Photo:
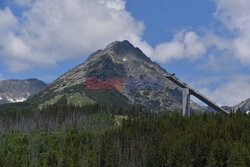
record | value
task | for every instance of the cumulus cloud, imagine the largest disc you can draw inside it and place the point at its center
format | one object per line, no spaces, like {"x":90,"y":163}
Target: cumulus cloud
{"x":184,"y":45}
{"x":23,"y":3}
{"x":7,"y":20}
{"x":232,"y":92}
{"x":54,"y":30}
{"x":115,"y":4}
{"x":235,"y":16}
{"x":206,"y":81}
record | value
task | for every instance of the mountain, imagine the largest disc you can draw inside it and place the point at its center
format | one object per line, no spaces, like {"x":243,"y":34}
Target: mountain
{"x":144,"y":81}
{"x":18,"y":90}
{"x":243,"y":106}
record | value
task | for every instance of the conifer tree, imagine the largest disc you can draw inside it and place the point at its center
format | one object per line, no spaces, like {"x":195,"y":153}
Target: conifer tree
{"x":235,"y":158}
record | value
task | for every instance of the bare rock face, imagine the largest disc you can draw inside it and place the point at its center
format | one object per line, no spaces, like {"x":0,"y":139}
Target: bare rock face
{"x":18,"y":90}
{"x":144,"y":81}
{"x":243,"y":106}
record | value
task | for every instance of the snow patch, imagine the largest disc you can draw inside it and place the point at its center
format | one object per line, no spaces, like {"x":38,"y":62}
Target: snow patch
{"x":16,"y":100}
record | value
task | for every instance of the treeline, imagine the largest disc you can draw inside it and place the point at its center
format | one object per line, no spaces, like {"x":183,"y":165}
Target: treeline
{"x":25,"y":119}
{"x":53,"y":117}
{"x":132,"y":137}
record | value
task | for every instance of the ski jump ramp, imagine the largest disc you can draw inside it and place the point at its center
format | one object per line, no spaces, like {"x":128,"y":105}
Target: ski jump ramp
{"x":187,"y":91}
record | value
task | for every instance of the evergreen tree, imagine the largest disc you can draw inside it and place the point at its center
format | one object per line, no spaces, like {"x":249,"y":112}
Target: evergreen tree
{"x":235,"y":158}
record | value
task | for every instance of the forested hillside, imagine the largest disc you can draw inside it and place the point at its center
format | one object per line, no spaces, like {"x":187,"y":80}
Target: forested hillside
{"x":100,"y":135}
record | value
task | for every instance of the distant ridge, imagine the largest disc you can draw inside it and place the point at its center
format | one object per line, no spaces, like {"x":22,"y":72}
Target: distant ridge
{"x":243,"y":106}
{"x":14,"y":90}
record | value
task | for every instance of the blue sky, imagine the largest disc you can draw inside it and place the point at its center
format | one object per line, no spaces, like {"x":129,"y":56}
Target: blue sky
{"x":206,"y":43}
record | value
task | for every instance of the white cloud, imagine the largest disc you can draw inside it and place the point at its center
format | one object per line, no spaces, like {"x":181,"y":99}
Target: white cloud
{"x":115,"y":4}
{"x":184,"y":45}
{"x":54,"y":30}
{"x":7,"y":21}
{"x":207,"y":80}
{"x":232,"y":92}
{"x":235,"y":16}
{"x":23,"y":3}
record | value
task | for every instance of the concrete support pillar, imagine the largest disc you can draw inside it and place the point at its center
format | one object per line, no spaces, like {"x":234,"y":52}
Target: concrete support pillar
{"x":185,"y":102}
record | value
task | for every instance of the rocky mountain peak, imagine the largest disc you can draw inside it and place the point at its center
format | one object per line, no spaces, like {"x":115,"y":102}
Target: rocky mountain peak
{"x":120,"y":51}
{"x":120,"y":44}
{"x":118,"y":60}
{"x":125,"y":49}
{"x":14,"y":90}
{"x":244,"y":105}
